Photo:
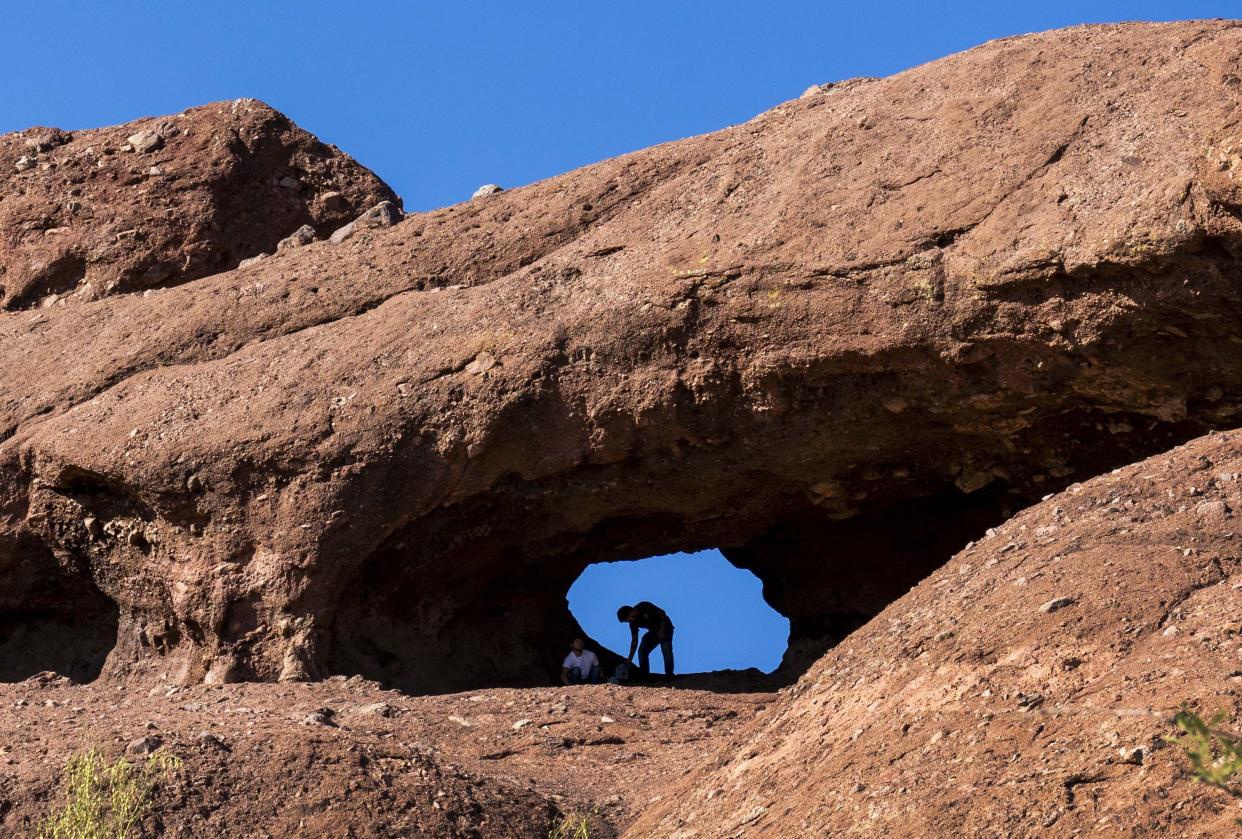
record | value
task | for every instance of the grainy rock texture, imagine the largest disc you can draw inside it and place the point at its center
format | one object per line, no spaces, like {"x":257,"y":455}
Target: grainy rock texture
{"x":164,"y":200}
{"x":499,"y":763}
{"x":896,"y":308}
{"x":972,"y":708}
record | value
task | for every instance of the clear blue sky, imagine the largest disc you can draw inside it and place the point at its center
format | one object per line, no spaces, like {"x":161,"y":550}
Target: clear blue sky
{"x":720,"y":620}
{"x":441,"y":97}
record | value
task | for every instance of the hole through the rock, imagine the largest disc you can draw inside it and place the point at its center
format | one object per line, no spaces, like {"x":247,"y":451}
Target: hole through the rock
{"x":720,"y":619}
{"x":454,"y":605}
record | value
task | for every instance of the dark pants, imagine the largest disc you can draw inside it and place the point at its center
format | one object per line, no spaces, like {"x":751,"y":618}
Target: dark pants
{"x":649,"y":641}
{"x":594,"y":677}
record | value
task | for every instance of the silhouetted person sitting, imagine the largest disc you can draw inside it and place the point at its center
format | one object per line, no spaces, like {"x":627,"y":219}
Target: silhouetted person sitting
{"x":659,"y":628}
{"x":580,"y":666}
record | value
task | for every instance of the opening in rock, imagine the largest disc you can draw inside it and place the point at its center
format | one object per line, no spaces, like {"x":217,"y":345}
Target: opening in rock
{"x":721,"y":620}
{"x":51,"y":618}
{"x":476,"y":597}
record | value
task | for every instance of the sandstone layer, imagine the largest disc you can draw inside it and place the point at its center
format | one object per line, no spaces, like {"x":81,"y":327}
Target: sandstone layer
{"x":1024,"y":689}
{"x":837,"y":341}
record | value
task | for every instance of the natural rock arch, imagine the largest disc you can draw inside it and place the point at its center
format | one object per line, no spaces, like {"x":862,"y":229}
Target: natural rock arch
{"x":1089,"y":619}
{"x":843,"y":323}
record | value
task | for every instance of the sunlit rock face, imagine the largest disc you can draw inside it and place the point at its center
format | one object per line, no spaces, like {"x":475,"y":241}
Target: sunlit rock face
{"x":838,"y":341}
{"x":1066,"y":639}
{"x":163,"y":200}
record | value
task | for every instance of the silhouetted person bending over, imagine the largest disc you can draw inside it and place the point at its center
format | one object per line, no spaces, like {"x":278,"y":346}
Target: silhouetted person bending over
{"x":659,"y":628}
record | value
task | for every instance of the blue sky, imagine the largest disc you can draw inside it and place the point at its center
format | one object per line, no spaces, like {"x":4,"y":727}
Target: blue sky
{"x":720,"y":620}
{"x":439,"y":98}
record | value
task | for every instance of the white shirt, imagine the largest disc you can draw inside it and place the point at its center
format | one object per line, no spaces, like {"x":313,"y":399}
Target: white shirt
{"x":584,"y":662}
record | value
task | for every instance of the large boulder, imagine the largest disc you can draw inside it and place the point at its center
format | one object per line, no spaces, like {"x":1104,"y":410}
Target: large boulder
{"x":837,"y":341}
{"x":1024,"y":689}
{"x":163,"y":200}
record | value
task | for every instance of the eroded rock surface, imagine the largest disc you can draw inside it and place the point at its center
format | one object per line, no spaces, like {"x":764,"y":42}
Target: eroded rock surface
{"x":251,"y":764}
{"x":164,"y":200}
{"x":1024,"y":689}
{"x":346,"y":758}
{"x":859,"y":315}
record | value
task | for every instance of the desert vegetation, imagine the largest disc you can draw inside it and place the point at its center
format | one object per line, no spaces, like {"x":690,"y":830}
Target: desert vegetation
{"x":104,"y":800}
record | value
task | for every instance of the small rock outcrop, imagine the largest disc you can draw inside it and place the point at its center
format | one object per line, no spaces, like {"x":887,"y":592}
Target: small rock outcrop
{"x":162,"y":201}
{"x":838,"y":342}
{"x":383,"y":214}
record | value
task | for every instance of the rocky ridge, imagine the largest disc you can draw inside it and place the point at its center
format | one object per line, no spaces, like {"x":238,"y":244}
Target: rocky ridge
{"x":930,"y":298}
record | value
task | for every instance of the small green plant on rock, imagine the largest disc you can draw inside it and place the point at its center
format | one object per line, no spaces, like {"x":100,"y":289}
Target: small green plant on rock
{"x":571,"y":827}
{"x":106,"y":800}
{"x":1215,"y":756}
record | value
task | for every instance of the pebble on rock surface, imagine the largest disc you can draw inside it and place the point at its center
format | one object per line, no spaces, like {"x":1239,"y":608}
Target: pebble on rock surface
{"x":252,"y":260}
{"x":383,"y":214}
{"x":483,"y":362}
{"x":487,"y":189}
{"x":212,"y":741}
{"x":322,"y":716}
{"x":47,"y":139}
{"x":378,"y":709}
{"x":144,"y":745}
{"x":145,"y":141}
{"x":1056,"y":603}
{"x":304,"y":235}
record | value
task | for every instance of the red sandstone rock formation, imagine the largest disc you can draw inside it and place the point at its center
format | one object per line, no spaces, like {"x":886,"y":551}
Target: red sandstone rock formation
{"x":839,"y":341}
{"x":886,"y":314}
{"x":163,"y":201}
{"x":1024,"y":689}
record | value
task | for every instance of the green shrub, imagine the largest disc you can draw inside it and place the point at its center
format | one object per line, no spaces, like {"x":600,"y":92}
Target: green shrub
{"x":103,"y":800}
{"x":1215,"y":756}
{"x":571,"y":827}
